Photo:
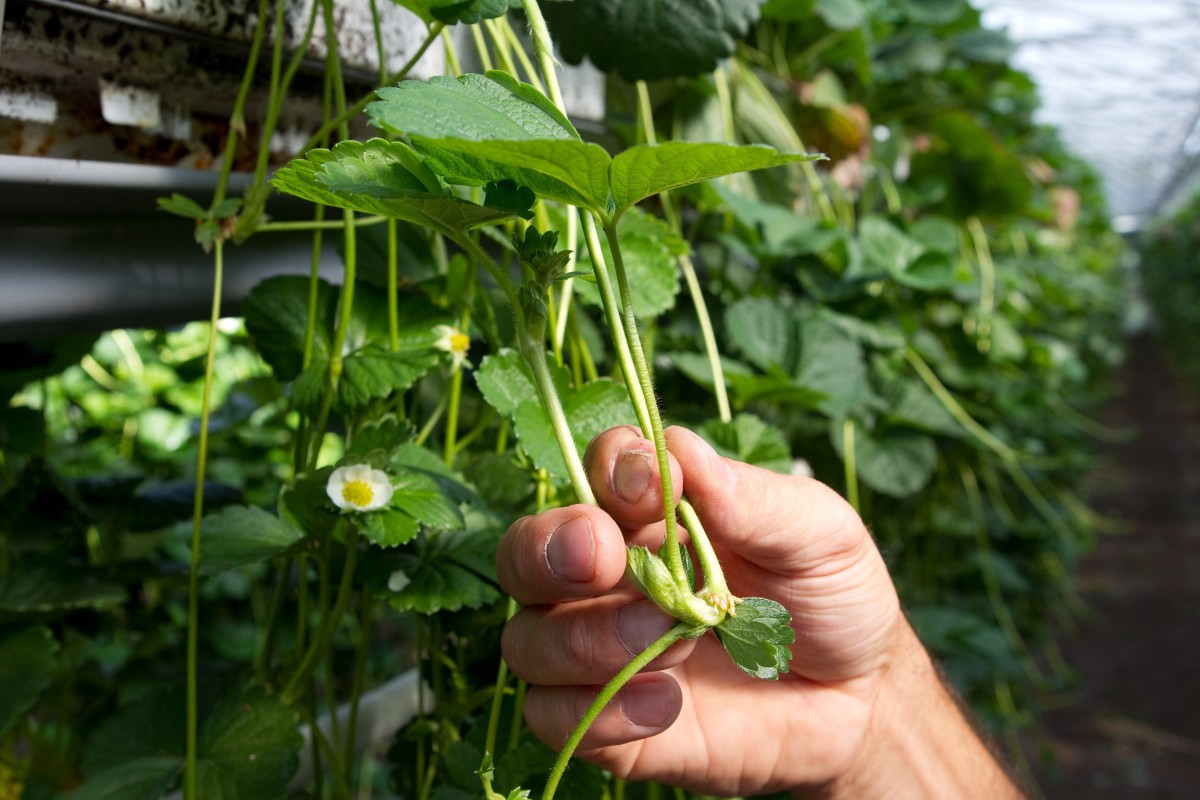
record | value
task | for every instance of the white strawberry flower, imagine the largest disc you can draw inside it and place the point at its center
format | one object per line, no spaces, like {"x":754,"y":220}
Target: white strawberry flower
{"x":453,"y":341}
{"x":359,"y":488}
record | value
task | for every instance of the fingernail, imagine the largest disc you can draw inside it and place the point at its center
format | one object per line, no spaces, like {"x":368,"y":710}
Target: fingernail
{"x":571,"y":551}
{"x":640,"y":624}
{"x":648,"y":703}
{"x":631,"y":475}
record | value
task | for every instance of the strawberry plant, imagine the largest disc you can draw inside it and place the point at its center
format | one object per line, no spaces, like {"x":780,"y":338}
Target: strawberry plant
{"x":298,"y":506}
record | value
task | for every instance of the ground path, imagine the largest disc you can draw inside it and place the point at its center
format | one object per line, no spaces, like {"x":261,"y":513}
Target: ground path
{"x":1132,"y":728}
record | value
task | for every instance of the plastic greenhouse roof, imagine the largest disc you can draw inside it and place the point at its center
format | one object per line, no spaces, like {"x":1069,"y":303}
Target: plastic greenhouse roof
{"x":1121,"y":81}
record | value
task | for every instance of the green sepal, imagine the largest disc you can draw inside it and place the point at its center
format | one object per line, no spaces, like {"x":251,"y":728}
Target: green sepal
{"x":651,"y":575}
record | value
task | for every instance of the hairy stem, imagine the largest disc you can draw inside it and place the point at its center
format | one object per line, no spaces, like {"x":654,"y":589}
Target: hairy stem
{"x":606,"y":695}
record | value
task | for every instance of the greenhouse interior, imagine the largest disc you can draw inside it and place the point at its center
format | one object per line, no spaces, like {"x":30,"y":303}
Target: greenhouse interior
{"x":599,"y":399}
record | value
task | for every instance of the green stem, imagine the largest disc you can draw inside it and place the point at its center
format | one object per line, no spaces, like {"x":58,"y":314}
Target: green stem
{"x":304,"y":225}
{"x":987,"y":269}
{"x":646,"y":115}
{"x":451,"y":439}
{"x":500,"y":43}
{"x":237,"y":122}
{"x":642,"y":369}
{"x":543,"y":52}
{"x":518,"y":48}
{"x":568,"y":286}
{"x":452,"y":63}
{"x":606,"y":695}
{"x":493,"y":727}
{"x":344,"y":116}
{"x":849,"y":460}
{"x":534,"y":353}
{"x":956,"y":410}
{"x":361,"y":655}
{"x":191,"y":778}
{"x":481,"y":49}
{"x":263,"y":659}
{"x":613,"y":318}
{"x":393,"y":287}
{"x":330,"y":624}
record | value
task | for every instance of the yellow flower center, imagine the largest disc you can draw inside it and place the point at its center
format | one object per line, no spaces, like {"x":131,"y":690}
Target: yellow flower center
{"x":460,"y":342}
{"x":357,"y":493}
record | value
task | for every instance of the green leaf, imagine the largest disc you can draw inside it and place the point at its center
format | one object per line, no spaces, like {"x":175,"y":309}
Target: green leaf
{"x":375,"y":372}
{"x":696,"y":366}
{"x":508,"y":196}
{"x":387,"y":527}
{"x":306,"y":506}
{"x":841,"y":15}
{"x":146,"y":778}
{"x":472,"y":107}
{"x":241,"y":535}
{"x":35,"y":590}
{"x":248,"y":747}
{"x":885,"y":246}
{"x":595,"y":408}
{"x":937,"y":233}
{"x":651,"y":39}
{"x":831,"y":362}
{"x":650,"y":248}
{"x":910,"y":403}
{"x":452,"y":12}
{"x":182,"y":206}
{"x":984,"y":46}
{"x":379,"y":171}
{"x":419,"y":496}
{"x":764,"y":331}
{"x":434,"y":585}
{"x":933,"y":12}
{"x":758,"y":639}
{"x":894,"y":462}
{"x":26,"y":669}
{"x":385,"y":434}
{"x":645,"y":170}
{"x":276,"y":312}
{"x":564,"y":170}
{"x":506,"y":382}
{"x":747,"y":438}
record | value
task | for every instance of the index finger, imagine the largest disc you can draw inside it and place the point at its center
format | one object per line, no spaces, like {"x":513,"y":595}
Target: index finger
{"x":570,"y":553}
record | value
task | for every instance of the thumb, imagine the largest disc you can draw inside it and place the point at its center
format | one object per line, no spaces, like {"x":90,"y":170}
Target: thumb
{"x":786,"y":524}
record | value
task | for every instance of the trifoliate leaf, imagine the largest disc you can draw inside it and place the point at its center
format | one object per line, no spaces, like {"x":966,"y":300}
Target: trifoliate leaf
{"x":242,"y":535}
{"x":506,"y":382}
{"x":651,"y":39}
{"x":758,"y":639}
{"x":747,"y":438}
{"x":885,"y":246}
{"x":26,"y":669}
{"x":385,"y":434}
{"x":377,"y":372}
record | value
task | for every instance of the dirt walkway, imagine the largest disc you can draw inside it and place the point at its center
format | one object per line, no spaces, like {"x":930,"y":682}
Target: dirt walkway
{"x":1133,"y":728}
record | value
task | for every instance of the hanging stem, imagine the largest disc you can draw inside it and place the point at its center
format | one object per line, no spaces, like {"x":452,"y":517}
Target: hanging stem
{"x":237,"y":121}
{"x":987,"y":269}
{"x":956,"y":410}
{"x":190,"y":780}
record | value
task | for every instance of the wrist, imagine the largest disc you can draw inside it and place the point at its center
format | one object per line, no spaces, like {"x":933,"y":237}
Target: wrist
{"x":918,"y":742}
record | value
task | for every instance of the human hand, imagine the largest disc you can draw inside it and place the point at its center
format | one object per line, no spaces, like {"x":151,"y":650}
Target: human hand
{"x":694,"y":719}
